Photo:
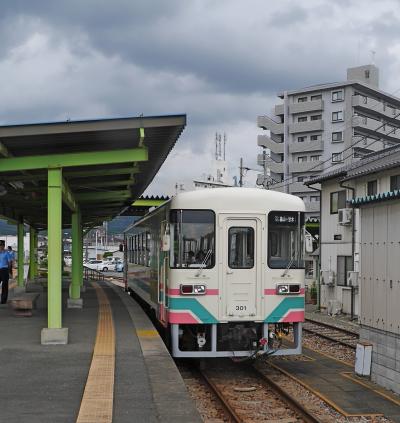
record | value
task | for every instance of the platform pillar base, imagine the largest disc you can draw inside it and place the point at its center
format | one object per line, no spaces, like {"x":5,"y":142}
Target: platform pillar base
{"x":53,"y":336}
{"x":74,"y":303}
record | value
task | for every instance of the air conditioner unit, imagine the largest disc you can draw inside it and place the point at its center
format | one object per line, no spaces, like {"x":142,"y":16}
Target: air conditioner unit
{"x":334,"y":307}
{"x":345,"y":216}
{"x":327,"y":277}
{"x":352,"y":278}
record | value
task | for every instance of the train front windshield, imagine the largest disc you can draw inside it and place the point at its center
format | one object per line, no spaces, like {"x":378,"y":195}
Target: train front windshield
{"x":192,"y":238}
{"x":285,"y":240}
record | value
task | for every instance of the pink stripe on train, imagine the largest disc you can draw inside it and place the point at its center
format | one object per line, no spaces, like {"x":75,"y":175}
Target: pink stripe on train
{"x":176,"y":291}
{"x":181,"y":318}
{"x":294,"y":316}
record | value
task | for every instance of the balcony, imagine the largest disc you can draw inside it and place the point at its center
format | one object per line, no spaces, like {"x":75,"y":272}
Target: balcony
{"x":279,"y":109}
{"x":374,"y":107}
{"x":314,"y":166}
{"x":275,"y":167}
{"x":298,"y":147}
{"x":375,"y":129}
{"x":310,"y":126}
{"x":266,"y":122}
{"x":297,"y":187}
{"x":267,"y":142}
{"x":306,"y":106}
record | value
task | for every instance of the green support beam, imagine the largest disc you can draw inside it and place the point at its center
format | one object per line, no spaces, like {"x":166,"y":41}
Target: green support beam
{"x":148,"y":203}
{"x":32,"y":253}
{"x":100,"y":172}
{"x":54,"y":248}
{"x":103,"y":184}
{"x":73,"y":159}
{"x":103,"y":196}
{"x":68,"y":197}
{"x":20,"y":236}
{"x":75,"y":288}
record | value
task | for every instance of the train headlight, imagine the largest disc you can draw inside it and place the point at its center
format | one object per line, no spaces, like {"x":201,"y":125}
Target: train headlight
{"x":193,"y":289}
{"x":199,"y":289}
{"x":285,"y":289}
{"x":282,"y":289}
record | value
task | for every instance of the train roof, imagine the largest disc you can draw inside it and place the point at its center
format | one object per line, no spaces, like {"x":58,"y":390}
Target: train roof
{"x":235,"y":198}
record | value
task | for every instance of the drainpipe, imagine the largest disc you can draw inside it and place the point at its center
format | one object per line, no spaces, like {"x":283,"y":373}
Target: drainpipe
{"x":352,"y":245}
{"x":320,"y":251}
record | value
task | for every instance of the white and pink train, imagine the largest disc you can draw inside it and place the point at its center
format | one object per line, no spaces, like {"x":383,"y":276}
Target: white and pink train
{"x":223,"y":269}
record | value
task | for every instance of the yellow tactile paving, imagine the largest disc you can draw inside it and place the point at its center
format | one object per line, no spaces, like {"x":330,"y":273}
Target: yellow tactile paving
{"x":97,"y":400}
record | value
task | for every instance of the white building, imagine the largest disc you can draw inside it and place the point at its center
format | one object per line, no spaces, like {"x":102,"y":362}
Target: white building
{"x":360,"y":253}
{"x":324,"y":126}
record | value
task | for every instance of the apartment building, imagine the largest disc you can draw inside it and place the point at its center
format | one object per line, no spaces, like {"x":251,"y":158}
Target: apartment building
{"x":325,"y":126}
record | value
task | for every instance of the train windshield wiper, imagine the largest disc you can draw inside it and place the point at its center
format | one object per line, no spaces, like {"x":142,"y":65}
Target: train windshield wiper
{"x":203,"y":263}
{"x":288,"y":267}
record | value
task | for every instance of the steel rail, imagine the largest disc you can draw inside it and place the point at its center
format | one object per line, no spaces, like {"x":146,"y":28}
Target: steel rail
{"x":332,"y":338}
{"x":234,"y":417}
{"x":288,"y":399}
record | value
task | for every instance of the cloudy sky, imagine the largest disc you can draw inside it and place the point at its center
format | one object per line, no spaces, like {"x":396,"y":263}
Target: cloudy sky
{"x":219,"y":61}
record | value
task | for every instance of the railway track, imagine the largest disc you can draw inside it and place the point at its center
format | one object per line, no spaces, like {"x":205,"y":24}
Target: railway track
{"x":340,"y":336}
{"x":247,"y":395}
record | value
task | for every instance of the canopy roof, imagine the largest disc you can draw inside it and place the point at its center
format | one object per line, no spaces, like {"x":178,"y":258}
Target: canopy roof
{"x":106,"y":165}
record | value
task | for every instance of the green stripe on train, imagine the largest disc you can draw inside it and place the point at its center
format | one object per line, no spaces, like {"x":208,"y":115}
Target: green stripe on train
{"x":285,"y":305}
{"x":191,"y":304}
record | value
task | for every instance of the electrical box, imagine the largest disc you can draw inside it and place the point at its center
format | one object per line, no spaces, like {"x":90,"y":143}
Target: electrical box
{"x":363,"y":359}
{"x":352,"y":278}
{"x":345,"y":216}
{"x":327,"y":277}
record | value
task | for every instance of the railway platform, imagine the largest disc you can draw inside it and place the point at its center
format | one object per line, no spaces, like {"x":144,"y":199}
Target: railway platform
{"x":115,"y":367}
{"x":335,"y":383}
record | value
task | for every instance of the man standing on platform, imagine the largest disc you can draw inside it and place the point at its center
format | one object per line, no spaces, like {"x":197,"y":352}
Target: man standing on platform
{"x":4,"y":271}
{"x":11,"y":254}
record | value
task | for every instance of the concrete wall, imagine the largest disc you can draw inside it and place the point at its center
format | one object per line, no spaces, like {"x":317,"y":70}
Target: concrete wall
{"x":385,"y":369}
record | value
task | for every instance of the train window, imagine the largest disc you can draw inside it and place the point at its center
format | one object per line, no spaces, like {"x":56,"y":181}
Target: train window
{"x":285,"y":240}
{"x":192,"y":238}
{"x":241,"y":248}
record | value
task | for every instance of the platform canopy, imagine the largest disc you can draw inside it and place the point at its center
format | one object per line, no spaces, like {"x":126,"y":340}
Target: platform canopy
{"x":106,"y":165}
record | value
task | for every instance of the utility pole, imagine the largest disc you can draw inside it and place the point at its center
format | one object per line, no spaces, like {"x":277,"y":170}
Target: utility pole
{"x":241,"y":172}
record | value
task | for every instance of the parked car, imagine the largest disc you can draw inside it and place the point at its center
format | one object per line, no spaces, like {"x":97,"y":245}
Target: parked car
{"x":100,"y":265}
{"x":119,"y":267}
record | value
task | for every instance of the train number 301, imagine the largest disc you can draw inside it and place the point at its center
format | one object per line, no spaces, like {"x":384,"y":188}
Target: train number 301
{"x":241,"y":308}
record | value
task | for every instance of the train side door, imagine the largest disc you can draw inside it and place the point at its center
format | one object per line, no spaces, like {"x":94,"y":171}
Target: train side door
{"x":241,"y":266}
{"x":163,"y":267}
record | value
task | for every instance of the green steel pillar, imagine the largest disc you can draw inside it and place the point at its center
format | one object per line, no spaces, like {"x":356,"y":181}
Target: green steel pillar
{"x":54,"y":225}
{"x":32,"y":253}
{"x":80,"y":253}
{"x":75,"y":288}
{"x":20,"y":234}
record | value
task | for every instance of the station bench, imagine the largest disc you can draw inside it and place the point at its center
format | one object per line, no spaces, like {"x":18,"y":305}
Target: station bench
{"x":24,"y":304}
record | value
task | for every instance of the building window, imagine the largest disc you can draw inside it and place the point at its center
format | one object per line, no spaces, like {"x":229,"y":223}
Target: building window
{"x":302,"y":159}
{"x":337,"y":157}
{"x":315,"y":158}
{"x":395,"y":182}
{"x":302,"y":119}
{"x":302,"y":99}
{"x":337,"y":116}
{"x":316,"y":117}
{"x":372,"y":187}
{"x":316,"y":97}
{"x":366,"y":73}
{"x":344,"y":265}
{"x":301,"y":139}
{"x":338,"y":201}
{"x":315,"y":137}
{"x":300,"y":178}
{"x":314,"y":199}
{"x":337,"y":95}
{"x":337,"y":136}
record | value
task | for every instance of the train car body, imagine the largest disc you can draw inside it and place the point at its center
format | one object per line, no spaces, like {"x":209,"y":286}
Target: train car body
{"x":223,"y":269}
